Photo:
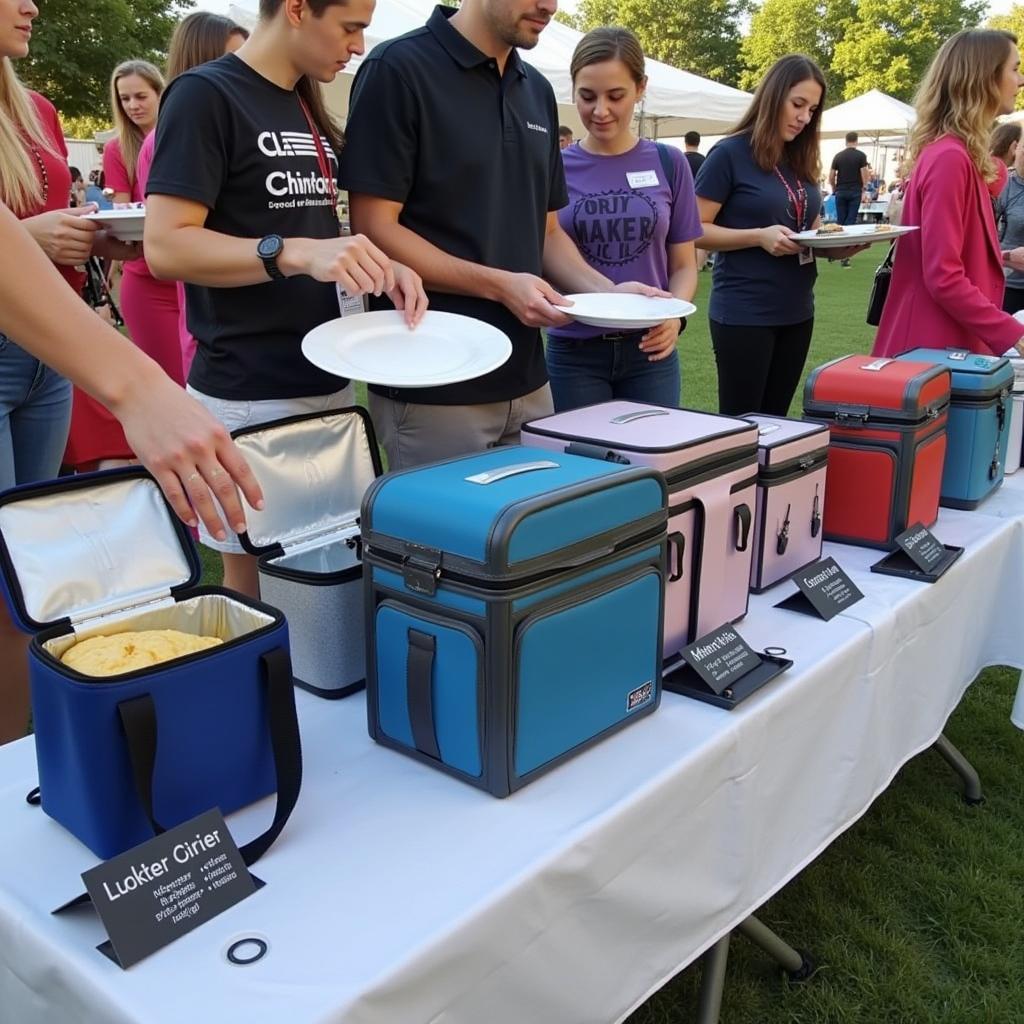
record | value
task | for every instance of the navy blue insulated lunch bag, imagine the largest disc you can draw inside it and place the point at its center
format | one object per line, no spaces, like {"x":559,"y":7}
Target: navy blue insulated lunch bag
{"x":513,"y":609}
{"x":123,"y":756}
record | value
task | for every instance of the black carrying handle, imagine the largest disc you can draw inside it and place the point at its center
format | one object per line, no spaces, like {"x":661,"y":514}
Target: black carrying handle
{"x":742,"y":518}
{"x":138,"y":716}
{"x":419,"y":670}
{"x":676,"y":551}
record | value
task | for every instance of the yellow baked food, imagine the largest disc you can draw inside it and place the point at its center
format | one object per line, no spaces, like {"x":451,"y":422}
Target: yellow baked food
{"x":128,"y":652}
{"x":830,"y":229}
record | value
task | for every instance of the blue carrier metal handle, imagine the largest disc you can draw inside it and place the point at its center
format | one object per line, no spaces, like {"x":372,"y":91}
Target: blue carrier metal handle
{"x":494,"y":475}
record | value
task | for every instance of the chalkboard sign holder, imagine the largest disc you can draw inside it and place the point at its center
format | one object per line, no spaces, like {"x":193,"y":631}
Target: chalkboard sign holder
{"x":899,"y":563}
{"x":680,"y":678}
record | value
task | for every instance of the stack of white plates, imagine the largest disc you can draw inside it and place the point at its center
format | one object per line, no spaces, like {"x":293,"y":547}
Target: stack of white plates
{"x":624,"y":310}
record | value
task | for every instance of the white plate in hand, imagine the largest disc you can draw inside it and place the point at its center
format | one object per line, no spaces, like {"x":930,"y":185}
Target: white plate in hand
{"x":625,"y":310}
{"x":379,"y":348}
{"x":852,"y":234}
{"x":126,"y":225}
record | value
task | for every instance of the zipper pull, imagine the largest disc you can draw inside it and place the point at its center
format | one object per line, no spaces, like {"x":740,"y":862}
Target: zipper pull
{"x":782,"y":541}
{"x":815,"y":515}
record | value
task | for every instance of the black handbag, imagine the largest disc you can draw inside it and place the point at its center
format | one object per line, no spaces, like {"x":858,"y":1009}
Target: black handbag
{"x":880,"y":288}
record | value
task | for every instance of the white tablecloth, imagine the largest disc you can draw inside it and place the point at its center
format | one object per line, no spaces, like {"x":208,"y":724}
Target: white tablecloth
{"x":397,"y":895}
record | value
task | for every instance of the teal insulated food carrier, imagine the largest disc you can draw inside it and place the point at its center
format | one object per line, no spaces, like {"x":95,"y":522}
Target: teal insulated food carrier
{"x":978,"y":432}
{"x":514,"y":605}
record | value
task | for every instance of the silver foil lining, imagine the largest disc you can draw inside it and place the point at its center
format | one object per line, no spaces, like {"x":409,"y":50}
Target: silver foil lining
{"x":88,"y":551}
{"x":203,"y":615}
{"x":313,"y":473}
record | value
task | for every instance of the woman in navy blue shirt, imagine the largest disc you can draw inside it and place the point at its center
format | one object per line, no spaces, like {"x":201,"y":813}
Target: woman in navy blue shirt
{"x":757,"y":188}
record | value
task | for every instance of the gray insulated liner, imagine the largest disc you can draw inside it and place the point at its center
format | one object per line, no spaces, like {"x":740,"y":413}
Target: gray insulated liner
{"x":314,"y":470}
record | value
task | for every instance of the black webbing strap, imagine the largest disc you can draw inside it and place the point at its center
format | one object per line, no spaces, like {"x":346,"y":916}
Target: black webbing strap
{"x":419,"y":668}
{"x":743,"y":521}
{"x":138,"y":716}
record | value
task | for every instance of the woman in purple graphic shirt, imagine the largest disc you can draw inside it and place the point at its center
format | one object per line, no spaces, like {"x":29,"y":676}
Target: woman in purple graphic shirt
{"x":633,"y":216}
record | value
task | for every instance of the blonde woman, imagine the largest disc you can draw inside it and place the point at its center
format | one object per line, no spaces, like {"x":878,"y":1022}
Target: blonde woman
{"x":35,"y":402}
{"x":149,"y":306}
{"x":947,"y":282}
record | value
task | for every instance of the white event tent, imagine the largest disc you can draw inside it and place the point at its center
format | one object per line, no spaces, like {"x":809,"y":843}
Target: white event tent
{"x":676,"y":102}
{"x":873,"y":114}
{"x":876,"y":117}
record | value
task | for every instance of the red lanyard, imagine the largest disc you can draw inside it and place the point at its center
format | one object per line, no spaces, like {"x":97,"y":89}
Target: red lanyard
{"x":321,"y":158}
{"x":799,"y":200}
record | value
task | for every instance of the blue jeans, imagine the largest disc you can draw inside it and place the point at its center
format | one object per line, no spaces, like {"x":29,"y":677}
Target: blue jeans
{"x":35,"y":414}
{"x":592,"y":370}
{"x":847,"y":206}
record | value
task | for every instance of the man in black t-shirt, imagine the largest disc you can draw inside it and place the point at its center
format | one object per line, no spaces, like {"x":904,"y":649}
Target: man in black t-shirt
{"x":452,"y":165}
{"x":694,"y":157}
{"x":847,"y":178}
{"x":241,"y":206}
{"x":691,"y":140}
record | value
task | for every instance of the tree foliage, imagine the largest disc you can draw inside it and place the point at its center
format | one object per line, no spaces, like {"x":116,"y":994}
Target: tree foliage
{"x":859,"y":44}
{"x":76,"y":45}
{"x":779,"y":27}
{"x":889,"y":44}
{"x":702,"y":36}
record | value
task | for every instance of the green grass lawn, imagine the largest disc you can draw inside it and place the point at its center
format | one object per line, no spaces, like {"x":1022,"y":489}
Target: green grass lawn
{"x":916,"y":914}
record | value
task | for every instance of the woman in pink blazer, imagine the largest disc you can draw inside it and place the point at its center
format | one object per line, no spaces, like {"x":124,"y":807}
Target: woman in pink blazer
{"x":947,"y":282}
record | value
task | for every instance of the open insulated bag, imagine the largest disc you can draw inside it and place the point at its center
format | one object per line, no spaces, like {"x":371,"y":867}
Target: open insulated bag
{"x":978,"y":432}
{"x":513,"y":609}
{"x":792,"y":460}
{"x":314,"y":470}
{"x":710,"y":465}
{"x":123,"y":756}
{"x":887,"y":426}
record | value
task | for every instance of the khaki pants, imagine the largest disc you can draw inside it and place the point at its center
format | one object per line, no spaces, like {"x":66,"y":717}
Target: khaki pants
{"x":413,"y":434}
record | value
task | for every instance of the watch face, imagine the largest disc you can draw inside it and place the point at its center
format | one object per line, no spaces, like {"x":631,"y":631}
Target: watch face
{"x":270,"y":246}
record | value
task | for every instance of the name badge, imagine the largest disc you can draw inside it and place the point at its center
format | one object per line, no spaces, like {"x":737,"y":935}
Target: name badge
{"x":806,"y":256}
{"x":349,"y":304}
{"x":642,"y":179}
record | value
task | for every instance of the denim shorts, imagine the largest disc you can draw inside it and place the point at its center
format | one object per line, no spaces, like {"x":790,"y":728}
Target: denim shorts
{"x":237,"y":414}
{"x":35,"y":413}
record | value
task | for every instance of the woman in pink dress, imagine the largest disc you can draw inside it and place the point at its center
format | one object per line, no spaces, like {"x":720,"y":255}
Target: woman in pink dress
{"x":149,"y":306}
{"x":200,"y":37}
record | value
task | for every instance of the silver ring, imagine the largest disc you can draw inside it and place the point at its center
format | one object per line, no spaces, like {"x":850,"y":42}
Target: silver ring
{"x":191,"y":477}
{"x":216,"y":473}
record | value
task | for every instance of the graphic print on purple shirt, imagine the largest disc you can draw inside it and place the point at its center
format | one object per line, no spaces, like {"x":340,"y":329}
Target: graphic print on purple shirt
{"x":614,"y":228}
{"x":623,"y":215}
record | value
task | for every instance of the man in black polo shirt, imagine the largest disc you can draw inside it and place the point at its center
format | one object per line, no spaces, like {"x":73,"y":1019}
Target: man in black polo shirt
{"x":452,"y":160}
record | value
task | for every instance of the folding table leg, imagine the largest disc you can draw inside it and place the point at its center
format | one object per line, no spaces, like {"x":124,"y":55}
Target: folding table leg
{"x":797,"y":964}
{"x":963,"y":768}
{"x":712,"y":982}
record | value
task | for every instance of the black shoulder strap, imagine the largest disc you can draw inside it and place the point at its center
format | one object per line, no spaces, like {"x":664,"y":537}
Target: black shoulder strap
{"x":668,"y":165}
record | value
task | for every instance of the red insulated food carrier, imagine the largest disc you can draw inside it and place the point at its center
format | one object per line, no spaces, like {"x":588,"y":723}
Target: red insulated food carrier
{"x":887,"y":421}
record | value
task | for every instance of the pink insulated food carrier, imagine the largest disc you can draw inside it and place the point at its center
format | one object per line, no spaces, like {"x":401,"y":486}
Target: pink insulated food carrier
{"x":710,"y":465}
{"x":792,"y":459}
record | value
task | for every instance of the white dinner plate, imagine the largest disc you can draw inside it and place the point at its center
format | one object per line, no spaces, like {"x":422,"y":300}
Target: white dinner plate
{"x":853,"y":234}
{"x":624,"y":310}
{"x":379,"y":348}
{"x":126,"y":225}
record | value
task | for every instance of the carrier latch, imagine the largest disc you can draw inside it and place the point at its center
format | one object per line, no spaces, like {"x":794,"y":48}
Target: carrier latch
{"x":421,"y":569}
{"x":852,"y":414}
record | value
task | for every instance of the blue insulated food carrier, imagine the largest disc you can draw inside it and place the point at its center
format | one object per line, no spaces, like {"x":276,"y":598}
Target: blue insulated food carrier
{"x":514,"y":607}
{"x":122,"y":755}
{"x":978,"y":432}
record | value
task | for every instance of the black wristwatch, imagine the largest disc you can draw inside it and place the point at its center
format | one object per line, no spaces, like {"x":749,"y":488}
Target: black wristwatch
{"x":268,"y":249}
